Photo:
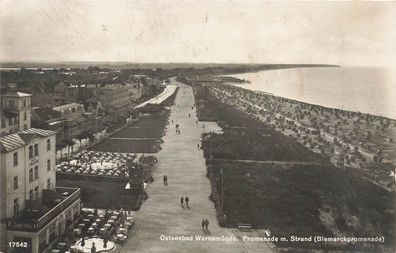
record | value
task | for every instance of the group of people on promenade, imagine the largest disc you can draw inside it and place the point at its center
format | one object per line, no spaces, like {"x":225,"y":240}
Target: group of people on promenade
{"x":184,"y":200}
{"x":205,"y":224}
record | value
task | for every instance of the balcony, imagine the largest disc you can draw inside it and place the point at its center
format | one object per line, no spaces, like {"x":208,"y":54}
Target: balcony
{"x":38,"y":213}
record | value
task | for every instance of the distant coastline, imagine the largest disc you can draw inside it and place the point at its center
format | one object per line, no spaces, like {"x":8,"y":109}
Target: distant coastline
{"x":366,"y":90}
{"x":126,"y":65}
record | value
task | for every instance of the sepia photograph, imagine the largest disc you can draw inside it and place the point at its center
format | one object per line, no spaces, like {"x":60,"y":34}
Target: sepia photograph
{"x":225,"y":126}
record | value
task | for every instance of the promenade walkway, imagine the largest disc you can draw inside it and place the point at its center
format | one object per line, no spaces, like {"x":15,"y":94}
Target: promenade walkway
{"x":162,"y":214}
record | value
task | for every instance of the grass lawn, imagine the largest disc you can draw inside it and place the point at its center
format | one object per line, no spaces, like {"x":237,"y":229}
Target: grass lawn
{"x":102,"y":194}
{"x":304,"y":201}
{"x":148,"y":126}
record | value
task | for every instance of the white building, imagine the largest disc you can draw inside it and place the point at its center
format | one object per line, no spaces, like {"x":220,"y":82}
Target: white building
{"x":70,"y":111}
{"x":32,"y":209}
{"x":15,"y":112}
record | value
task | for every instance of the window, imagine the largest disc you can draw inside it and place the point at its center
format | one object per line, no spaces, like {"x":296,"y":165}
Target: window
{"x":48,"y":145}
{"x":10,"y":121}
{"x":30,"y":152}
{"x":36,"y":173}
{"x":36,"y":152}
{"x":2,"y":122}
{"x":36,"y":192}
{"x":49,"y":183}
{"x":15,"y":159}
{"x":31,"y":194}
{"x":25,"y":116}
{"x":24,"y":104}
{"x":31,"y":175}
{"x":16,"y":207}
{"x":48,"y":165}
{"x":15,"y":183}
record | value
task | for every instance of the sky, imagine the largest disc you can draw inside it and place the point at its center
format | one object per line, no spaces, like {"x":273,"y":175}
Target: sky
{"x":344,"y":33}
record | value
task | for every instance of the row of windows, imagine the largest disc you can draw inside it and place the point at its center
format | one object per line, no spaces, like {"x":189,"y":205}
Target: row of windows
{"x":12,"y":104}
{"x":71,"y":110}
{"x":31,"y":178}
{"x":33,"y":174}
{"x":36,"y":193}
{"x":12,"y":121}
{"x":33,"y":152}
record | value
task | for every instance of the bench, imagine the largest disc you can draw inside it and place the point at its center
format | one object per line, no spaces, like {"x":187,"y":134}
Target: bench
{"x":244,"y":226}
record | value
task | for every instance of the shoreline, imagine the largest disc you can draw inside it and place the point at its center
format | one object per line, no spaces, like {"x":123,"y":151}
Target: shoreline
{"x":317,"y":105}
{"x":190,"y":82}
{"x":275,"y":82}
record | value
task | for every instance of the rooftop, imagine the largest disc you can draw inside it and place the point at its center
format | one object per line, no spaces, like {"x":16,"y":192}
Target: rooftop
{"x":45,"y":114}
{"x":67,"y":106}
{"x":17,"y":94}
{"x":14,"y":141}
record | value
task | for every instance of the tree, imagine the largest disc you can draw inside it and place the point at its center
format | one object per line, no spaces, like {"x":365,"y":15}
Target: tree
{"x":81,"y":136}
{"x":69,"y":142}
{"x":92,"y":69}
{"x":91,"y":137}
{"x":59,"y":146}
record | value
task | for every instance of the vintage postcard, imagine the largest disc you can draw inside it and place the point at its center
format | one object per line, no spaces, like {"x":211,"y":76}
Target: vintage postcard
{"x":197,"y":126}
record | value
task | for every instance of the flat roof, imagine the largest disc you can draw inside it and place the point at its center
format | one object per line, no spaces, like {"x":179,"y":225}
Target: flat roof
{"x":66,"y":106}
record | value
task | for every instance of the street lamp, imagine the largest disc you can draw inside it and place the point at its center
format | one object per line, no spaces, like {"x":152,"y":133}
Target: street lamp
{"x":222,"y":189}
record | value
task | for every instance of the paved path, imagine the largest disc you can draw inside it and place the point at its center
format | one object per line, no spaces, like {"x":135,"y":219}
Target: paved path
{"x":161,"y":213}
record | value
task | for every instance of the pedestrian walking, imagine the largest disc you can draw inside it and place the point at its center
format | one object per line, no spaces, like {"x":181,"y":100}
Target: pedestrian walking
{"x":189,"y":115}
{"x":198,"y":146}
{"x":181,"y":201}
{"x":206,"y":224}
{"x":186,"y":199}
{"x":203,"y":223}
{"x":165,"y":179}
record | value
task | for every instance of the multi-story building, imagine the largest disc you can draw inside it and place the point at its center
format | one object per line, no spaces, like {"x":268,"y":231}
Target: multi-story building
{"x":67,"y":93}
{"x":112,"y":95}
{"x":70,"y":111}
{"x":32,"y":209}
{"x":116,"y":96}
{"x":67,"y":120}
{"x":15,"y":112}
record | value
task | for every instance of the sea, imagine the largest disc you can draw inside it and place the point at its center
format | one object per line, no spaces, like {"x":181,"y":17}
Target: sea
{"x":361,"y":89}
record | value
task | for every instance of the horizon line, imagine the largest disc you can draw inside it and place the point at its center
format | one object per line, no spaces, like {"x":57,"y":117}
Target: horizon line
{"x":132,"y":62}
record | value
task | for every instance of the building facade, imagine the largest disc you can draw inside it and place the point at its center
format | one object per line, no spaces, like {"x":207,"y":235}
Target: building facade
{"x":33,"y":210}
{"x":15,"y":112}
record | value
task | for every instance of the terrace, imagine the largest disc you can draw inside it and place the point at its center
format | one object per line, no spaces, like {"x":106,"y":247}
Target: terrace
{"x":38,"y":213}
